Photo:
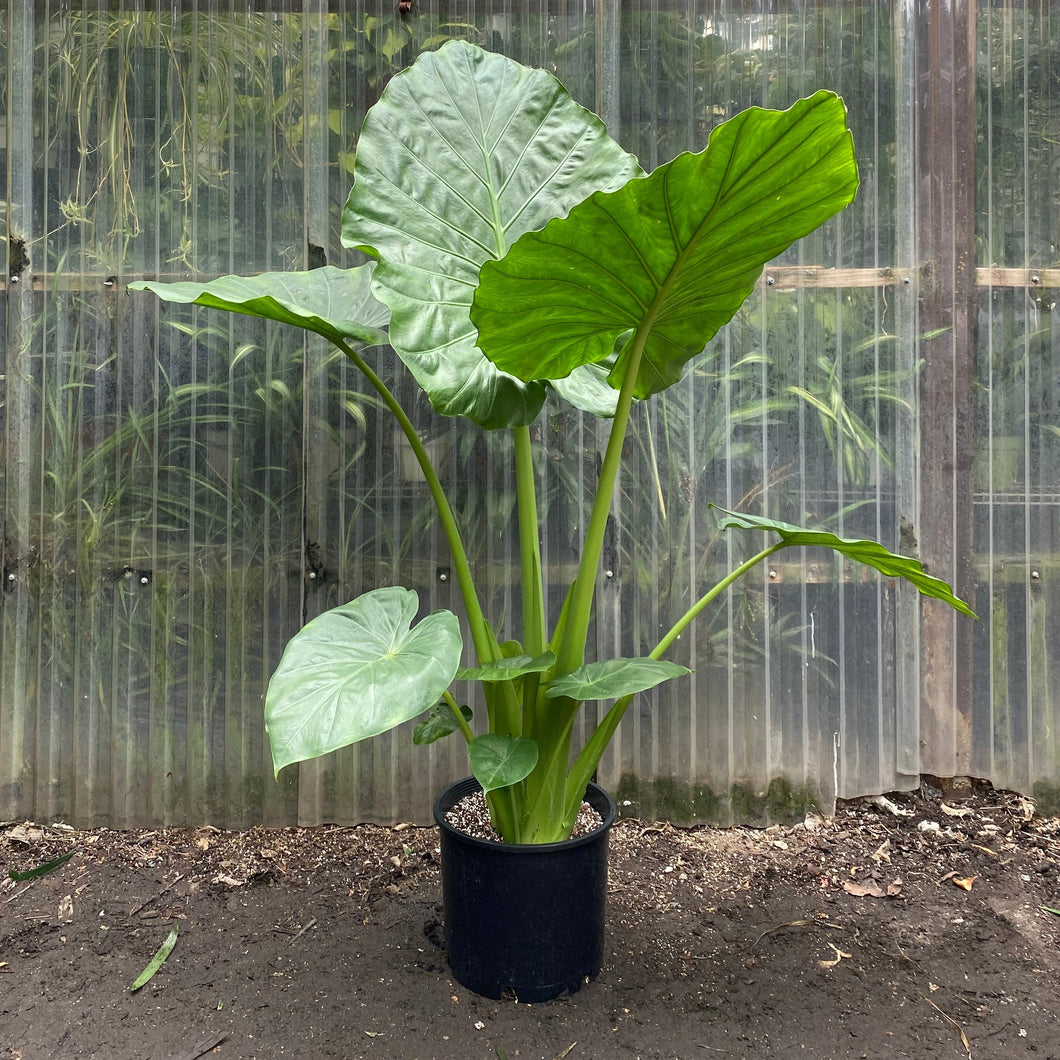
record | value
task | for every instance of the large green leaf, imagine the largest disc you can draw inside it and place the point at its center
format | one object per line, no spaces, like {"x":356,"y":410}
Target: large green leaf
{"x":356,"y":671}
{"x":464,"y":152}
{"x":335,"y":303}
{"x":498,"y":761}
{"x":871,"y":553}
{"x":671,"y":256}
{"x":612,"y":678}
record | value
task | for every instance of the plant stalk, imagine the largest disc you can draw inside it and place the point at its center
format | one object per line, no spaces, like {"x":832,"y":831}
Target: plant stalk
{"x":548,"y":788}
{"x":529,"y":544}
{"x":571,"y":653}
{"x":533,"y":592}
{"x":581,"y":772}
{"x":686,"y":619}
{"x":476,"y":619}
{"x":451,"y":703}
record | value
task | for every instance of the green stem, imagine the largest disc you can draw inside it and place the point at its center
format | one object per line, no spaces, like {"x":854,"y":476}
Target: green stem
{"x":533,"y":592}
{"x":504,"y":813}
{"x":504,"y":708}
{"x":529,"y":544}
{"x":588,"y":759}
{"x":685,"y":620}
{"x":465,"y":729}
{"x":571,"y":653}
{"x":476,"y":619}
{"x":547,"y":785}
{"x":581,"y":772}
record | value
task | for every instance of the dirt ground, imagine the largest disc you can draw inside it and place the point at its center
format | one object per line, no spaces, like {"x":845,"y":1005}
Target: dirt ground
{"x":931,"y":932}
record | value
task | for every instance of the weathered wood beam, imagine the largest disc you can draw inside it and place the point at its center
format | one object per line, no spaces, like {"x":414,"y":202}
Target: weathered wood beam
{"x":778,"y":278}
{"x":945,"y":134}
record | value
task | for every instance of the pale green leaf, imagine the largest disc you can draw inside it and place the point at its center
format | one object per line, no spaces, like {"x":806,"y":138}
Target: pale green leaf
{"x":464,"y":152}
{"x":587,"y":388}
{"x":356,"y":671}
{"x":335,"y":303}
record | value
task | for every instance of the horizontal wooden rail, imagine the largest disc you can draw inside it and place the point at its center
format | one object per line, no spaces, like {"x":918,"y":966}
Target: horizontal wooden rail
{"x":780,"y":277}
{"x":790,"y":277}
{"x":143,"y":575}
{"x":1017,"y":277}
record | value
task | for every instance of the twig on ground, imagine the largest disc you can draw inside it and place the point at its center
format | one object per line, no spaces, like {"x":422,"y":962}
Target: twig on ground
{"x":793,"y":923}
{"x":954,"y":1024}
{"x":14,"y":896}
{"x":144,"y":904}
{"x":302,"y":930}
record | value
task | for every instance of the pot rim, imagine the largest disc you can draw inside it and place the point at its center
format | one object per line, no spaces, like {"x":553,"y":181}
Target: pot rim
{"x":469,"y":785}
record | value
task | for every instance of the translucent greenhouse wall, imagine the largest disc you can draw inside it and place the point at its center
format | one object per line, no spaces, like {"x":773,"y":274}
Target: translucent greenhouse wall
{"x":181,"y":489}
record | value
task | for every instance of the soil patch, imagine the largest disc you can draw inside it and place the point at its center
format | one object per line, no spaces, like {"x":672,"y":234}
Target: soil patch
{"x":913,"y":928}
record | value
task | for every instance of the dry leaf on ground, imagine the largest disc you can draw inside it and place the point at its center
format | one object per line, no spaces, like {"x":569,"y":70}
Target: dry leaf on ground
{"x":839,"y":955}
{"x":868,"y":889}
{"x":871,"y":889}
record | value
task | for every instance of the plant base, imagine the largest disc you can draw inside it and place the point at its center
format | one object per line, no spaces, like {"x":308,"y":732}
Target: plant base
{"x":524,"y":921}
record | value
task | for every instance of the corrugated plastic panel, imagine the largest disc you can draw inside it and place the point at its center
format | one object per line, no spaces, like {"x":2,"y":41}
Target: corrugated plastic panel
{"x":182,"y":489}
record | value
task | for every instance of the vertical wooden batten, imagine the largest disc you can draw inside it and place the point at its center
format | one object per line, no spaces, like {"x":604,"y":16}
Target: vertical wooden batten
{"x":18,"y":741}
{"x":945,"y":147}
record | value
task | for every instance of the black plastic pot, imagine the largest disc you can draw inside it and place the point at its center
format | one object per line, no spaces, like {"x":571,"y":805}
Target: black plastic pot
{"x":524,"y":921}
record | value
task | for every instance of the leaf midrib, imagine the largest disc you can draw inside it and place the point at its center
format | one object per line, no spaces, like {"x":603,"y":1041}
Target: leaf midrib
{"x":720,"y":201}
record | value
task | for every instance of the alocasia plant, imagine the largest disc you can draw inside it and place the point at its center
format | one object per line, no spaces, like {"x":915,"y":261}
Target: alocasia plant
{"x":519,"y":250}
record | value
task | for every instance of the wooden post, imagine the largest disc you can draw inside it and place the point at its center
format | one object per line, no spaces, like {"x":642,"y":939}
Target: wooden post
{"x":314,"y":776}
{"x":18,"y":765}
{"x":945,"y":145}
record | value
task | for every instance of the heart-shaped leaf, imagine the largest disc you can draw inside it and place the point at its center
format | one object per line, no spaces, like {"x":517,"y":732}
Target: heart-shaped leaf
{"x":508,"y":668}
{"x":871,"y":553}
{"x":612,"y":678}
{"x":439,"y":724}
{"x":464,"y":152}
{"x":671,"y":256}
{"x":335,"y":303}
{"x":356,"y":671}
{"x":499,"y":761}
